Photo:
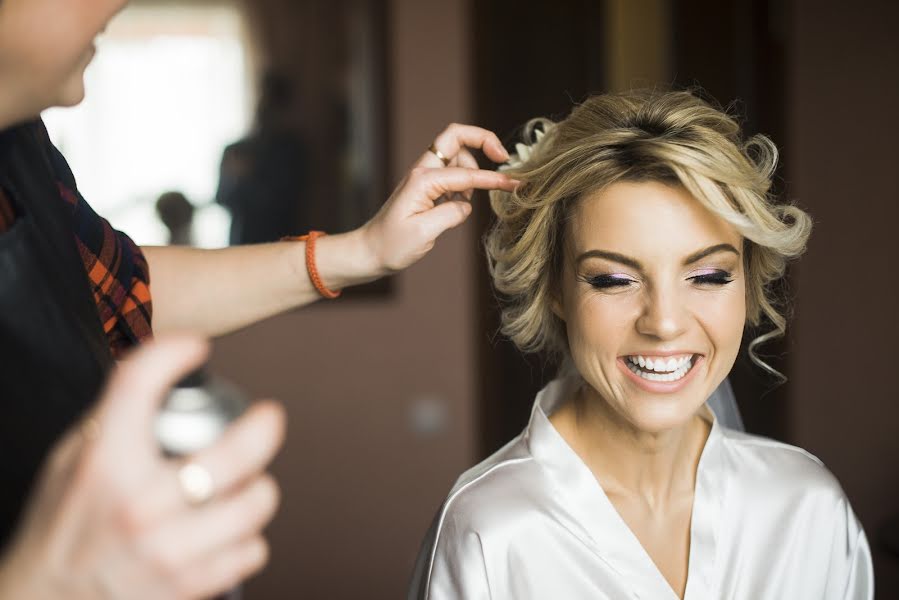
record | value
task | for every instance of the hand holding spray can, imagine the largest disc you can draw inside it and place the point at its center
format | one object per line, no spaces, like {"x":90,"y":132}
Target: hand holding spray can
{"x":196,"y":413}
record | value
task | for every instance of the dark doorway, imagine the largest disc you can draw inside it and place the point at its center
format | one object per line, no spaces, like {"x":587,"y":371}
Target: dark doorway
{"x":530,"y":62}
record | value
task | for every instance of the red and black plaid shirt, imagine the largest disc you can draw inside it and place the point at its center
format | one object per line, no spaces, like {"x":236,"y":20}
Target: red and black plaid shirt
{"x":115,"y":265}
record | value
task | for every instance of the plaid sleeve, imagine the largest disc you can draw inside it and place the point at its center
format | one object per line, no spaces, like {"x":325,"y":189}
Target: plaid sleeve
{"x":115,"y":265}
{"x":118,"y":274}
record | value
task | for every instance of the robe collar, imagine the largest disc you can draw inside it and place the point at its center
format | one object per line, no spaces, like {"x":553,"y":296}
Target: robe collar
{"x":597,"y":522}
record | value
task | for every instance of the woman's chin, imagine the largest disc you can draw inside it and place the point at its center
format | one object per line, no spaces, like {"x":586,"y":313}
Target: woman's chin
{"x":657,"y":415}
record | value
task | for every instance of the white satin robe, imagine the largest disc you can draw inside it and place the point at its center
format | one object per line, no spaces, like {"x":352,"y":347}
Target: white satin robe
{"x":531,"y":522}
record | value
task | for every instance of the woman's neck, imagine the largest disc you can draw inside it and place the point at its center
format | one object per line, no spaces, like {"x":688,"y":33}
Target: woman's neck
{"x":656,"y":468}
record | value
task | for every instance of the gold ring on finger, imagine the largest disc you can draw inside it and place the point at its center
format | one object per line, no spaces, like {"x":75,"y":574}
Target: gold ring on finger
{"x":196,"y":483}
{"x":439,"y":154}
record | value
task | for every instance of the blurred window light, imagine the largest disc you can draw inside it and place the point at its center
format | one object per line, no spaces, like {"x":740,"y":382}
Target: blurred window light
{"x":169,"y":88}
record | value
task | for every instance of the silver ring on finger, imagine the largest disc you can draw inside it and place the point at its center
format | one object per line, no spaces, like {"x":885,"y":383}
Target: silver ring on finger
{"x":433,"y":148}
{"x":196,"y":484}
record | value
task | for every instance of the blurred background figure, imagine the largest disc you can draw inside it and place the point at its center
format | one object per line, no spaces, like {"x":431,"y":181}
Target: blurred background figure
{"x":177,"y":214}
{"x":170,"y":88}
{"x":370,"y":79}
{"x":263,"y":176}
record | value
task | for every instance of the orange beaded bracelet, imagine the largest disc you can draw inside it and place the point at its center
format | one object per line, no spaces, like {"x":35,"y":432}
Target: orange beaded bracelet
{"x":310,"y":263}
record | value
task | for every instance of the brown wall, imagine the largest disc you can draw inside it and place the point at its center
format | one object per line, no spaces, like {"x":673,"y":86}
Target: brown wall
{"x":359,"y":486}
{"x":844,"y":119}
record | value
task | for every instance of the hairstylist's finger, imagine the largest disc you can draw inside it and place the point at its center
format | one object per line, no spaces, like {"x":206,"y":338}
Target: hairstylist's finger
{"x":456,"y":137}
{"x":139,"y":383}
{"x":434,"y":183}
{"x":246,"y":447}
{"x":201,"y":532}
{"x":240,"y":455}
{"x":213,"y":575}
{"x":451,"y":213}
{"x":466,"y":160}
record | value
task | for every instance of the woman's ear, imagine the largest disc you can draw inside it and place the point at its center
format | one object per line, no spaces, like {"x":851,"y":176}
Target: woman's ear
{"x":557,"y":306}
{"x":556,"y":294}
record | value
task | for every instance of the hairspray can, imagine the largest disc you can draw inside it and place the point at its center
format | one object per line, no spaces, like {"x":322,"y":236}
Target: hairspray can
{"x":195,"y":414}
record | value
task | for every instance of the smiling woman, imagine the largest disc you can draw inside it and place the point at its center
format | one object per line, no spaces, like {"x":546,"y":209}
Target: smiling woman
{"x":639,"y":245}
{"x":656,"y":277}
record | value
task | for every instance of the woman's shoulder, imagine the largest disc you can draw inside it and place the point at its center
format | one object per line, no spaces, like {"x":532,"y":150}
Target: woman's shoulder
{"x":496,"y":494}
{"x":492,"y":489}
{"x":765,"y":464}
{"x":784,"y":497}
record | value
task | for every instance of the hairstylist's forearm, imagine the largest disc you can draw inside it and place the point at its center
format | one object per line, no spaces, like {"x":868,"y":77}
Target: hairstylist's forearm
{"x":214,"y":292}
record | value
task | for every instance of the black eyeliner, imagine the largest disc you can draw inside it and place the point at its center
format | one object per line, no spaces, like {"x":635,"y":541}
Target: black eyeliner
{"x":717,"y":278}
{"x":606,"y":281}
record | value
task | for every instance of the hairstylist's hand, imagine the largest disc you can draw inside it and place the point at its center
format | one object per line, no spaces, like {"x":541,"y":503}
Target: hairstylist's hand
{"x":108,"y":518}
{"x":409,"y":223}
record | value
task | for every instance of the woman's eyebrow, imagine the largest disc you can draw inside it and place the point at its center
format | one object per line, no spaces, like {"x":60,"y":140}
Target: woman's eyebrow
{"x":710,"y":250}
{"x":635,"y":264}
{"x":612,"y":256}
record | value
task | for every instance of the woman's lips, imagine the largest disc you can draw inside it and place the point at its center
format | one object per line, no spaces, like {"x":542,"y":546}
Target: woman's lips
{"x":661,"y":387}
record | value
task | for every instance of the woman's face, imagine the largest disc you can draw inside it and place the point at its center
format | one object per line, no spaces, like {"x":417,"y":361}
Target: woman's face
{"x":45,"y":46}
{"x":654,"y":300}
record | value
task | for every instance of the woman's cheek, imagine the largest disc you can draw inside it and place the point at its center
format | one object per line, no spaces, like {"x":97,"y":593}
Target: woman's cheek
{"x":723,"y":316}
{"x":600,"y":324}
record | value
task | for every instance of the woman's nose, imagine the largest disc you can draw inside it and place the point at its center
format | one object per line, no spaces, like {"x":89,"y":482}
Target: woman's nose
{"x":663,"y":316}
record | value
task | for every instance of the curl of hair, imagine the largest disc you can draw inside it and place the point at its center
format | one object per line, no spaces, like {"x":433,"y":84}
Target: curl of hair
{"x":670,"y":137}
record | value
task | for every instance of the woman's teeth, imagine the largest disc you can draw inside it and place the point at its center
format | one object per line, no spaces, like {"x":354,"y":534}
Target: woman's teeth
{"x":660,"y":369}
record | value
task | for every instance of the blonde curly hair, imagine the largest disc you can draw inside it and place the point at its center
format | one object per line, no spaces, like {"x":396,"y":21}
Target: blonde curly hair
{"x":673,"y":137}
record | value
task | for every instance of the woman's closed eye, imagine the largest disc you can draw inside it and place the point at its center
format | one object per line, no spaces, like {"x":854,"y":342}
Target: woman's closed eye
{"x":602,"y":282}
{"x":712,"y":277}
{"x":706,"y":277}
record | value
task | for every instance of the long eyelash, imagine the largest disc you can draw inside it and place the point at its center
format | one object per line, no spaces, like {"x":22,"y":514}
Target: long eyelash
{"x":719,"y":278}
{"x":607,"y":281}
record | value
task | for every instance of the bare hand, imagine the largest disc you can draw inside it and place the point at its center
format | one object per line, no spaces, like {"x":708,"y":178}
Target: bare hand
{"x":108,"y":518}
{"x":412,"y":219}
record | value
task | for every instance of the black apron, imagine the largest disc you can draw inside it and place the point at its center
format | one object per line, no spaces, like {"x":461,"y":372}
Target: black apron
{"x":53,"y":352}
